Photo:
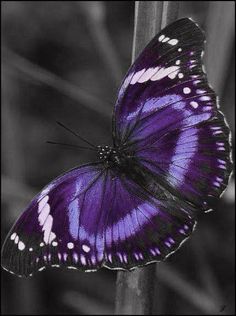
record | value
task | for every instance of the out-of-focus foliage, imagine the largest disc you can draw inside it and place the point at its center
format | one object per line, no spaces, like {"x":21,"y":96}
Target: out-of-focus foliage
{"x":63,"y":61}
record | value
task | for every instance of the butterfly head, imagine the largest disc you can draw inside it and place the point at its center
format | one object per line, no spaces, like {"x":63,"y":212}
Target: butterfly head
{"x":107,"y":153}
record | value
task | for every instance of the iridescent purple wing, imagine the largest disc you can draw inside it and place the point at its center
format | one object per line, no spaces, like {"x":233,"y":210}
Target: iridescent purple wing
{"x":92,"y":217}
{"x":166,"y":115}
{"x":62,"y":226}
{"x":170,"y":59}
{"x":194,"y":160}
{"x":142,"y":229}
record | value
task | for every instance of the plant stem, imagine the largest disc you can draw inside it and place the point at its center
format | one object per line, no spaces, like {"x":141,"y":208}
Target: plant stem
{"x":219,"y":47}
{"x":170,"y":12}
{"x":135,"y":291}
{"x":148,"y":17}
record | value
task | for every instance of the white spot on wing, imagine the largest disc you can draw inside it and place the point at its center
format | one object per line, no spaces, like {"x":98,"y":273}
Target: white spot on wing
{"x":200,"y":91}
{"x":13,"y":236}
{"x":42,"y":203}
{"x":164,"y":72}
{"x":148,"y":74}
{"x":70,"y":245}
{"x":109,"y":257}
{"x":42,"y":268}
{"x":157,"y":251}
{"x":46,"y":220}
{"x":141,"y":256}
{"x":152,"y":252}
{"x":120,"y":256}
{"x":194,"y":104}
{"x":44,"y":214}
{"x":166,"y":39}
{"x":167,"y":244}
{"x":173,"y":74}
{"x":83,"y":260}
{"x":21,"y":245}
{"x":16,"y":240}
{"x":173,"y":41}
{"x":85,"y":248}
{"x":217,"y":132}
{"x":47,"y":227}
{"x":205,"y":98}
{"x":186,"y":90}
{"x":136,"y":76}
{"x":75,"y":257}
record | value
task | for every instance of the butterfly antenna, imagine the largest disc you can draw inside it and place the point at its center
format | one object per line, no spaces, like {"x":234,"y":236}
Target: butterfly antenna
{"x":74,"y":133}
{"x":70,"y":145}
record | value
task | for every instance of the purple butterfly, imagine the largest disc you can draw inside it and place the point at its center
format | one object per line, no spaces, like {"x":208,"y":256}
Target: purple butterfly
{"x":140,"y":202}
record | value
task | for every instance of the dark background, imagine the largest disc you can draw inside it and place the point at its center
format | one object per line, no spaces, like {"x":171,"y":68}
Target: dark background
{"x":64,"y":61}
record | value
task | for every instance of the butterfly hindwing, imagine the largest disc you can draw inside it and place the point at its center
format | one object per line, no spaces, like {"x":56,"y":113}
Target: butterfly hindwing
{"x":143,"y":229}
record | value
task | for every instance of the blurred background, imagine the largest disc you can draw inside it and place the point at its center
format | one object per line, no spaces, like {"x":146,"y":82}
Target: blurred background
{"x":64,"y":61}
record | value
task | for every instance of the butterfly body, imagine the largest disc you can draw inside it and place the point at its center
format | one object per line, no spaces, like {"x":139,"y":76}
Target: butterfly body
{"x":114,"y":156}
{"x":169,"y":164}
{"x":122,"y":163}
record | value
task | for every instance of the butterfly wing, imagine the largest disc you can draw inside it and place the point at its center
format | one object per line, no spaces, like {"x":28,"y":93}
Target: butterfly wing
{"x":166,"y":115}
{"x":62,"y":226}
{"x":92,"y":217}
{"x":142,"y":229}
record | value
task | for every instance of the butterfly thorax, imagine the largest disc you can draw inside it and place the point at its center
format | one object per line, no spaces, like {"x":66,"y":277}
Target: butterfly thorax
{"x":112,"y":156}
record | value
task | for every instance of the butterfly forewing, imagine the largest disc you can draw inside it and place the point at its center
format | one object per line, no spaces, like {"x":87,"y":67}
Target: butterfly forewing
{"x":168,"y":60}
{"x":167,"y":116}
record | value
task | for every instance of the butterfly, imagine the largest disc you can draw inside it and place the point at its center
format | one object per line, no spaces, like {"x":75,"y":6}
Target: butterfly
{"x":170,"y":162}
